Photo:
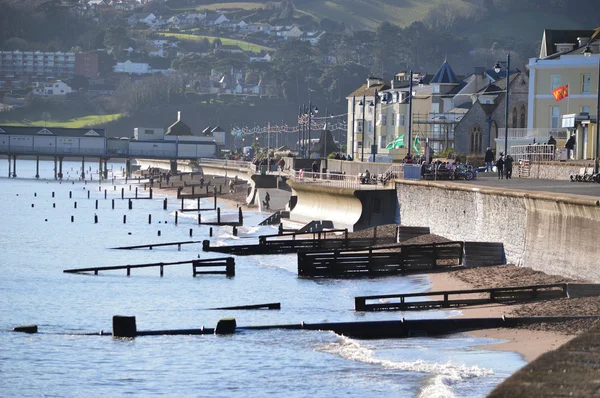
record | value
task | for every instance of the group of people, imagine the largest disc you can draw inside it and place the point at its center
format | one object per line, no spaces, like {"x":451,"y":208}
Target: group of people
{"x":504,"y":164}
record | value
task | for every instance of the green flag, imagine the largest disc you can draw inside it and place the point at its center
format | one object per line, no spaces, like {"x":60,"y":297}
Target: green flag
{"x":397,"y":143}
{"x":416,"y":145}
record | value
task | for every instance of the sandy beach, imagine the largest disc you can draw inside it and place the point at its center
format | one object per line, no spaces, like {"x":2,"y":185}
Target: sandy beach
{"x":533,"y":340}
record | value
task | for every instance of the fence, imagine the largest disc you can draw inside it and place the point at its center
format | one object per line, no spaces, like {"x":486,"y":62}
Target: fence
{"x":534,"y":153}
{"x":228,"y":163}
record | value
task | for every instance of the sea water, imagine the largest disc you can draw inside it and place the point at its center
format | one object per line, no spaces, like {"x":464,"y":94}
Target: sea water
{"x":38,"y":241}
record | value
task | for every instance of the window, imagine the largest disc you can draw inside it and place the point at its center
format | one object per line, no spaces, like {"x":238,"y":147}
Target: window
{"x":555,"y":117}
{"x":514,"y":118}
{"x":393,"y":121}
{"x":382,"y":141}
{"x":586,"y":83}
{"x":555,"y":81}
{"x":585,"y":109}
{"x":358,"y":126}
{"x":401,"y":119}
{"x":382,"y":120}
{"x":435,"y":89}
{"x":523,"y":117}
{"x":369,"y":126}
{"x":475,"y":144}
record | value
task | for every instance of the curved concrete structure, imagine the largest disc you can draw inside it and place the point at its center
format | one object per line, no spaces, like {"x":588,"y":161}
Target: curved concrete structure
{"x":325,"y":203}
{"x":346,"y":208}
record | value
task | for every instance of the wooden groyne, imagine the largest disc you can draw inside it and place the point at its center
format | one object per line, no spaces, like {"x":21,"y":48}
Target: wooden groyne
{"x":152,"y":245}
{"x":381,"y":261}
{"x":301,"y":241}
{"x":395,"y":259}
{"x":198,"y":267}
{"x":468,"y":297}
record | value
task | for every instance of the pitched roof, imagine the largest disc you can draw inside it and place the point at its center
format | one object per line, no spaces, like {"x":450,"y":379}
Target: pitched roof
{"x":445,"y":75}
{"x":56,"y":131}
{"x":179,"y":128}
{"x":551,"y":37}
{"x":364,"y":90}
{"x":217,"y":129}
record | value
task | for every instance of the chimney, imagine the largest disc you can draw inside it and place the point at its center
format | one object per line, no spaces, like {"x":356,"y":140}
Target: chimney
{"x":373,"y":81}
{"x":178,"y":116}
{"x":582,"y":41}
{"x":479,"y":70}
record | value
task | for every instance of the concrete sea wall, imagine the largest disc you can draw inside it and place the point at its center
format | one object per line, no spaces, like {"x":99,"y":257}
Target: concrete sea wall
{"x":547,"y":232}
{"x":555,"y":170}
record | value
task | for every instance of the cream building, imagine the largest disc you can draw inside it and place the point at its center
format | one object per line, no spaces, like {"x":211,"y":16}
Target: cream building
{"x":565,"y":65}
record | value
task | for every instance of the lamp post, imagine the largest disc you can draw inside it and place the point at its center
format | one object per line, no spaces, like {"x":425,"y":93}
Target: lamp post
{"x":311,"y":110}
{"x":497,"y":70}
{"x":374,"y":144}
{"x":410,"y":95}
{"x":588,"y":53}
{"x":362,"y":133}
{"x":353,"y":109}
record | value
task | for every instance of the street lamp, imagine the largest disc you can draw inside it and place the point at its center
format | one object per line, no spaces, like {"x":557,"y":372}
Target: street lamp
{"x":310,"y":111}
{"x":410,"y":95}
{"x":497,"y":70}
{"x":588,"y":53}
{"x":363,"y":103}
{"x":374,"y":144}
{"x":353,"y":127}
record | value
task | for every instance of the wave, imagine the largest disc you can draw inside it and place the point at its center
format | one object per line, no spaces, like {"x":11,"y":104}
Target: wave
{"x":444,"y":374}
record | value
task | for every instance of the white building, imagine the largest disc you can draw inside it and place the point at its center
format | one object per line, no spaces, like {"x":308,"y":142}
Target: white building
{"x":48,"y":89}
{"x":133,"y":68}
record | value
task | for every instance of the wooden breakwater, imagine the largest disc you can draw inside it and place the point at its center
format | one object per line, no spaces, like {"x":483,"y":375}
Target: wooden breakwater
{"x":205,"y":266}
{"x":388,"y":260}
{"x":312,"y":241}
{"x":467,"y":297}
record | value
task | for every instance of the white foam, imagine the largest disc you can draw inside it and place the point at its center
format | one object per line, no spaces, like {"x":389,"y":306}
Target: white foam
{"x":445,"y":374}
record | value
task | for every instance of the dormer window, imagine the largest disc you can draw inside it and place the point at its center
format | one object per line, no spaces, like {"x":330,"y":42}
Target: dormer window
{"x":564,"y":47}
{"x":436,"y":88}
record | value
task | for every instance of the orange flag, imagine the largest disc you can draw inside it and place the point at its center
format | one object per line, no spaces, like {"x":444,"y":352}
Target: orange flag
{"x":561,"y":92}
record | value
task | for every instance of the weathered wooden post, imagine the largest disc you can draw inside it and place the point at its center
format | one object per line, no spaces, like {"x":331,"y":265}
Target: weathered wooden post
{"x":235,"y":231}
{"x":130,"y":204}
{"x":74,"y":205}
{"x":122,"y":193}
{"x":218,"y":215}
{"x":113,"y":204}
{"x":136,"y":190}
{"x":72,"y":218}
{"x":95,"y":219}
{"x":150,"y":192}
{"x":70,"y":195}
{"x":240,"y":216}
{"x":165,"y":204}
{"x":280,"y":229}
{"x":96,"y":204}
{"x":26,"y":329}
{"x":52,"y":194}
{"x":159,"y":233}
{"x":124,"y":326}
{"x":88,"y":194}
{"x":230,"y":266}
{"x":191,"y":231}
{"x":226,"y":326}
{"x":124,"y":219}
{"x":210,"y":232}
{"x":176,"y":217}
{"x":105,"y":193}
{"x":199,"y":218}
{"x":149,"y":218}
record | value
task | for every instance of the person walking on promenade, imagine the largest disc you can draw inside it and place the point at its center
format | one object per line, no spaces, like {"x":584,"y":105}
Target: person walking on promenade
{"x":267,"y":200}
{"x":508,"y":166}
{"x":552,"y":142}
{"x":570,"y":145}
{"x":489,"y":160}
{"x":500,"y":166}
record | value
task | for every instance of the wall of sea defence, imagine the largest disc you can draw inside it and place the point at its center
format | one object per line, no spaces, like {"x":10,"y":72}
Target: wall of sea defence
{"x":548,"y":232}
{"x":555,"y":170}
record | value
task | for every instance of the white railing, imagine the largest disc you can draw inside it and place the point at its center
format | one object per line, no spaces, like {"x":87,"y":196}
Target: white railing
{"x":338,"y":180}
{"x":231,"y":163}
{"x":533,"y":153}
{"x":538,"y":133}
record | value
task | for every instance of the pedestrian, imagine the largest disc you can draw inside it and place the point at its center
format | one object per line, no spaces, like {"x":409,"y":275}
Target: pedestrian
{"x":267,"y":200}
{"x":552,"y":142}
{"x":570,"y":145}
{"x":231,"y":186}
{"x":489,"y":160}
{"x":366,"y":177}
{"x":315,"y":167}
{"x":508,"y":166}
{"x":500,"y":166}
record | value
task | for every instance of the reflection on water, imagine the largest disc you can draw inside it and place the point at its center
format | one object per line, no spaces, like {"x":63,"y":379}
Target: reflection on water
{"x":39,"y":242}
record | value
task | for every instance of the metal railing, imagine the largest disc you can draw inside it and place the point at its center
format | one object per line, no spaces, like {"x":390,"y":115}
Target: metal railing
{"x":231,"y":163}
{"x":530,"y":133}
{"x":534,"y":153}
{"x":338,"y":180}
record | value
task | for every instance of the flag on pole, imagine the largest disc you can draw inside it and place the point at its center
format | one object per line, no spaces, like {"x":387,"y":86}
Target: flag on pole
{"x":561,"y":92}
{"x":397,"y":143}
{"x":416,"y":145}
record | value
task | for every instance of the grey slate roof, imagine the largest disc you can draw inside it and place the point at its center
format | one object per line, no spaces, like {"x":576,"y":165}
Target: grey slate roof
{"x":52,"y":131}
{"x":552,"y":37}
{"x":179,"y":128}
{"x":445,"y":75}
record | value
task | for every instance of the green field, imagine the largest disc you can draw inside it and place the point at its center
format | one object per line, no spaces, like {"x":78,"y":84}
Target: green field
{"x":244,"y":45}
{"x":78,"y":122}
